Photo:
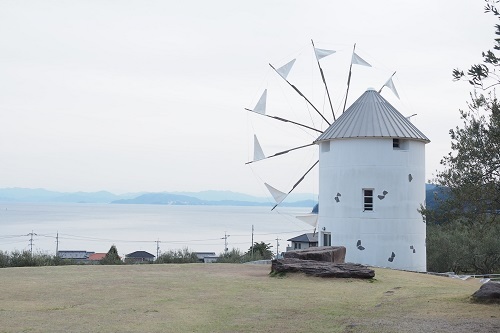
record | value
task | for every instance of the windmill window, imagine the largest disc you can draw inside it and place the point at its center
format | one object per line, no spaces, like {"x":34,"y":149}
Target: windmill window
{"x":325,"y":147}
{"x":367,"y":199}
{"x":399,"y":144}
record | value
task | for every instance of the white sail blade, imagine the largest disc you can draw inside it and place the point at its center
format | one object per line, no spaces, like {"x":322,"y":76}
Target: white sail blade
{"x":285,"y":69}
{"x":277,"y":194}
{"x":390,"y":84}
{"x":311,"y":219}
{"x":258,"y":153}
{"x":321,"y":53}
{"x":261,"y":104}
{"x":357,"y":60}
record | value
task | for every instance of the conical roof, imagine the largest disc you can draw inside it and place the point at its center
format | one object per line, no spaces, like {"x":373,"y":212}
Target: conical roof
{"x":371,"y":116}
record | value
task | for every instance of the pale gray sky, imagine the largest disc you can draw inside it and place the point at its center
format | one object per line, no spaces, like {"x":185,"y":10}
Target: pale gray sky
{"x":132,"y":96}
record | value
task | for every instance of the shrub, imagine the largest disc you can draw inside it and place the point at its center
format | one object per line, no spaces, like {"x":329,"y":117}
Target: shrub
{"x":177,"y":257}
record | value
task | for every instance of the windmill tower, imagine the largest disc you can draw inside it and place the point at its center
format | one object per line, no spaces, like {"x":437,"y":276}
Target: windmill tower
{"x":371,"y":184}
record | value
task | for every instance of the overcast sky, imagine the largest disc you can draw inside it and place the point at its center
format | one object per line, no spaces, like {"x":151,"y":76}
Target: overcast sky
{"x":133,"y":96}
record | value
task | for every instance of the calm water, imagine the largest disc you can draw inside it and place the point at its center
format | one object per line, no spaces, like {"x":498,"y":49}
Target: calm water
{"x":95,"y":227}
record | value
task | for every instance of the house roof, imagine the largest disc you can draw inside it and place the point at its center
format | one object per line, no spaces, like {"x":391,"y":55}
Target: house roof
{"x":371,"y":116}
{"x":305,"y":238}
{"x":97,"y":256}
{"x":139,"y":254}
{"x":202,"y":255}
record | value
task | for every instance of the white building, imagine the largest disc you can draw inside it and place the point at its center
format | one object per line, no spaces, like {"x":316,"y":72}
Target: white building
{"x":371,"y":185}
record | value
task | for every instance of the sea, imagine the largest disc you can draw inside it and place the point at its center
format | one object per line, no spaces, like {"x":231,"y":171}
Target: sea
{"x":44,"y":228}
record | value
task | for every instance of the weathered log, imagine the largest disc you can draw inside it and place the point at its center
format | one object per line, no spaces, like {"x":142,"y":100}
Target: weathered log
{"x":334,"y":254}
{"x":488,"y":293}
{"x":321,"y":268}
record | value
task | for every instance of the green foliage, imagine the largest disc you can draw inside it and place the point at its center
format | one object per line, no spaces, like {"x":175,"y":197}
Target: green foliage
{"x":27,"y":259}
{"x":4,"y":259}
{"x":112,"y":257}
{"x":479,"y":75}
{"x":233,"y":256}
{"x":455,"y":247}
{"x":261,"y":251}
{"x":462,"y":233}
{"x":177,"y":257}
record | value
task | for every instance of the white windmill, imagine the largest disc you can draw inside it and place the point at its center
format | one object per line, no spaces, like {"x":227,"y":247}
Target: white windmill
{"x":371,"y":179}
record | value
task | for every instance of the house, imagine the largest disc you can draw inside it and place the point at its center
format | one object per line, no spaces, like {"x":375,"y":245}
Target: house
{"x":78,"y":256}
{"x":96,"y":257}
{"x":206,"y":257}
{"x":139,"y":257}
{"x":303,"y":241}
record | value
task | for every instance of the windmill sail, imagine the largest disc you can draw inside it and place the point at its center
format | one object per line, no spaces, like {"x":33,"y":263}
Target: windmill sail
{"x":277,"y":194}
{"x":390,"y":84}
{"x":278,"y":153}
{"x":321,"y":53}
{"x":261,"y":104}
{"x":258,"y":153}
{"x":311,"y":219}
{"x":285,"y":69}
{"x":357,"y":60}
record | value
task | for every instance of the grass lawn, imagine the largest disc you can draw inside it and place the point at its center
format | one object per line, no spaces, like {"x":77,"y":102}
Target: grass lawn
{"x":233,"y":298}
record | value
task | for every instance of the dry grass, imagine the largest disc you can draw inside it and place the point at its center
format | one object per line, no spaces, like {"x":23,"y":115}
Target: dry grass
{"x":233,"y":298}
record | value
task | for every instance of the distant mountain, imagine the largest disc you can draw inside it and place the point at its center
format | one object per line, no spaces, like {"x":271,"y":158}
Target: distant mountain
{"x":41,"y":195}
{"x":434,"y":195}
{"x":177,"y":199}
{"x":209,"y":198}
{"x":235,"y":196}
{"x":161,"y":199}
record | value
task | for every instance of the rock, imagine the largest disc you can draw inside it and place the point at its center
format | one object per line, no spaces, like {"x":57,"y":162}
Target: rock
{"x":321,"y":268}
{"x":334,"y":254}
{"x":489,"y":292}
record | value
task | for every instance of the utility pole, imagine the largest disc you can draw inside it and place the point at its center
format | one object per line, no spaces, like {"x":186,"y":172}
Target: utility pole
{"x":277,"y":246}
{"x":57,"y":244}
{"x":31,"y":234}
{"x":225,"y":241}
{"x":157,"y":248}
{"x":252,"y":241}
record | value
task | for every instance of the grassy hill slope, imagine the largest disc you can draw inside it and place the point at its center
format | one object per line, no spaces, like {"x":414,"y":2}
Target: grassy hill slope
{"x":233,"y":298}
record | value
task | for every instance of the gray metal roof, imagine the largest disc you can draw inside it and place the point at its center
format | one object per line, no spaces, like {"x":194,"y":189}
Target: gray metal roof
{"x":305,"y":238}
{"x":139,"y":254}
{"x":371,"y":116}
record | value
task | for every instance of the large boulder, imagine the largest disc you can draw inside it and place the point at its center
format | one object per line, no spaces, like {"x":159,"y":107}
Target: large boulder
{"x":321,"y":268}
{"x":334,"y":254}
{"x":489,"y":292}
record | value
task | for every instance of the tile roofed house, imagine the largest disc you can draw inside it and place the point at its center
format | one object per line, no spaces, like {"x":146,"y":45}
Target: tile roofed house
{"x":139,"y":257}
{"x":303,"y":241}
{"x":96,"y":256}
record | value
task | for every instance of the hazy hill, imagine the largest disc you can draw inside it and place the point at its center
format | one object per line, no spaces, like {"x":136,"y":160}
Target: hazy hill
{"x":212,"y":197}
{"x":220,"y":198}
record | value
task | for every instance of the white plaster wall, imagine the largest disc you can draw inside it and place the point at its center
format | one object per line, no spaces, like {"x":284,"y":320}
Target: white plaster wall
{"x":351,"y":165}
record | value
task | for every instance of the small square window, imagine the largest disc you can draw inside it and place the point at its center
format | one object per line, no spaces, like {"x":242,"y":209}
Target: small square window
{"x":395,"y":143}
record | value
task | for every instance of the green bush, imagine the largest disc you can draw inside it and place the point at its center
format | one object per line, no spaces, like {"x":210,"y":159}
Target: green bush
{"x":183,"y":256}
{"x":112,"y":257}
{"x":462,"y":248}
